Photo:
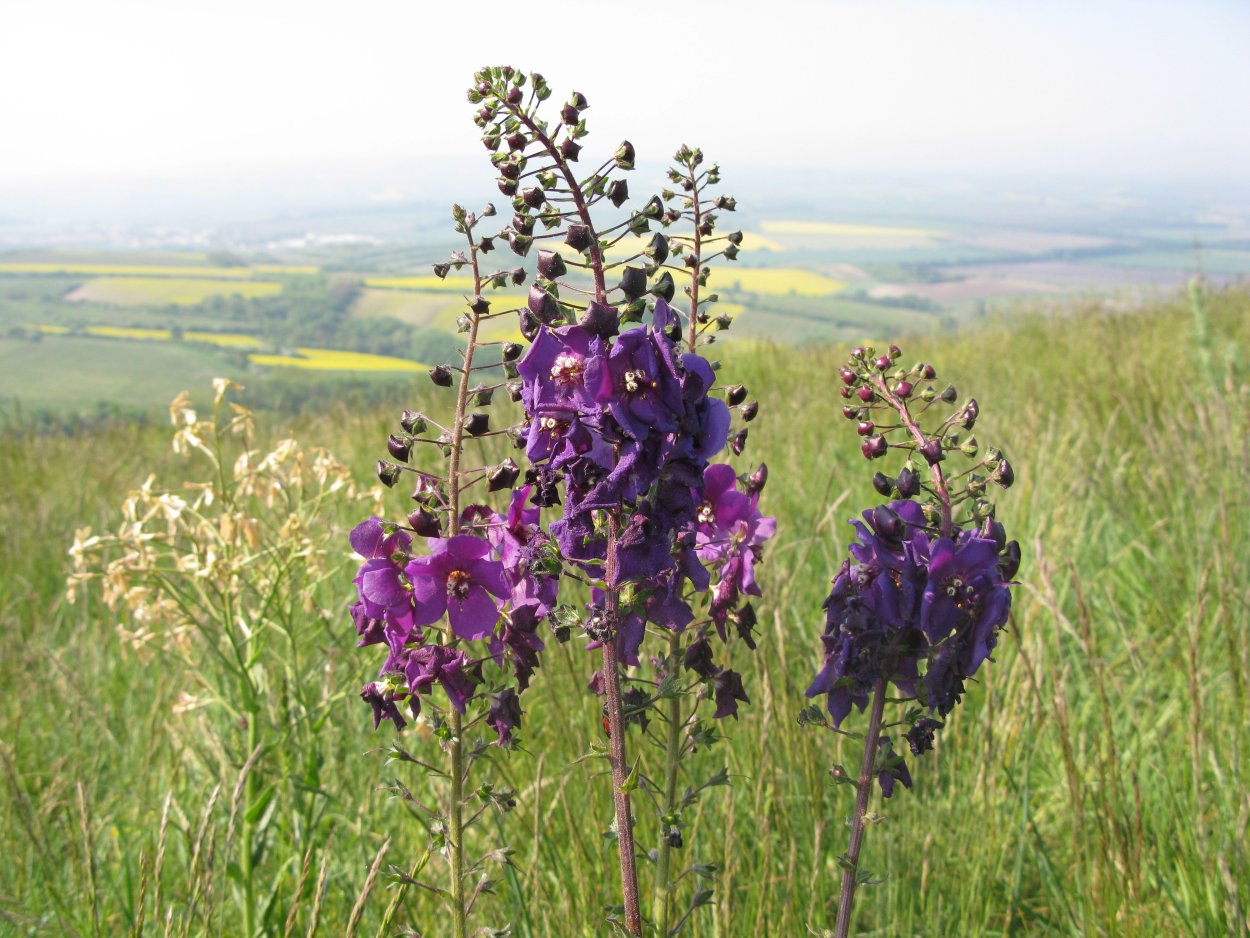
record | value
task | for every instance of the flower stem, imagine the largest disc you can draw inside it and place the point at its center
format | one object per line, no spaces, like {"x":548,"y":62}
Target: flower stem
{"x":661,"y":910}
{"x":863,"y":790}
{"x":459,"y":926}
{"x":616,"y":746}
{"x":249,"y":834}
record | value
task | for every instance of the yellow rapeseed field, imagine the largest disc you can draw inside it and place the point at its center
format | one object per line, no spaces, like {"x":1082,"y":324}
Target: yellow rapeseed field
{"x":833,"y":228}
{"x":160,"y":291}
{"x":774,"y":280}
{"x":150,"y":270}
{"x":319,"y":359}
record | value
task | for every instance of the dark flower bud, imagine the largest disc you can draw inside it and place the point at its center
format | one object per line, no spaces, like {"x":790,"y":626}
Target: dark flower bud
{"x":424,"y":523}
{"x":503,"y":476}
{"x":848,"y":377}
{"x":618,"y":192}
{"x":507,"y":186}
{"x":1003,"y":474}
{"x":569,"y":149}
{"x":757,"y":480}
{"x":895,"y":352}
{"x":520,"y":243}
{"x":516,"y":141}
{"x":908,"y":483}
{"x":888,"y":524}
{"x":865,"y":428}
{"x":510,"y":170}
{"x":749,"y":410}
{"x":903,"y":389}
{"x":399,"y":447}
{"x":850,"y":413}
{"x":969,"y":447}
{"x":739,"y":442}
{"x":388,"y":473}
{"x":1009,"y":562}
{"x":600,"y":319}
{"x":528,"y":324}
{"x":491,"y":142}
{"x":514,"y":390}
{"x":664,"y":287}
{"x":578,"y":238}
{"x":968,"y":416}
{"x":734,"y":238}
{"x":511,"y":351}
{"x":515,"y":96}
{"x":920,"y":736}
{"x":534,"y":197}
{"x":477,"y":423}
{"x":625,"y":155}
{"x":657,"y":249}
{"x":551,"y":265}
{"x":846,"y":392}
{"x":542,"y":305}
{"x":949,"y":394}
{"x":866,"y":394}
{"x":480,"y":306}
{"x":412,"y":422}
{"x":523,"y":224}
{"x":929,"y":372}
{"x":931,"y":450}
{"x":881,"y":482}
{"x":653,"y":209}
{"x":440,"y":270}
{"x":517,"y":276}
{"x":486,"y":245}
{"x":744,"y":621}
{"x":441,"y":375}
{"x":633,"y":282}
{"x":698,"y":658}
{"x":882,"y":362}
{"x":482,"y":396}
{"x":874,"y":447}
{"x":735,"y":394}
{"x":569,"y":115}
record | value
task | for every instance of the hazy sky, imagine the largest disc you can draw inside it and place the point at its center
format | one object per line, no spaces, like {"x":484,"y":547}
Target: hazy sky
{"x":1139,"y":89}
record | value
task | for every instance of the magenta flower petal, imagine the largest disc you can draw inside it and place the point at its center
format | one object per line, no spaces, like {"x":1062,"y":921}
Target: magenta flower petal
{"x":474,"y":615}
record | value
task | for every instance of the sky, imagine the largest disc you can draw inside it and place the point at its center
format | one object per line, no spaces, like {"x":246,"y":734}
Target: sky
{"x":92,"y":89}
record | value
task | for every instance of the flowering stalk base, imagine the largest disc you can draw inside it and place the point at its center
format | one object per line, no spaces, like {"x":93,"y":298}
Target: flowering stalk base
{"x":456,"y":824}
{"x":863,"y":790}
{"x":662,"y":907}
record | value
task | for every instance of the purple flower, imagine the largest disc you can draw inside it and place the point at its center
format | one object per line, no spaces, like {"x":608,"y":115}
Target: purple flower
{"x":965,"y":593}
{"x":727,"y":690}
{"x":504,"y":715}
{"x":384,"y":591}
{"x":518,"y":642}
{"x":436,"y":664}
{"x":458,"y":579}
{"x":554,"y":371}
{"x":380,"y":696}
{"x":638,"y":383}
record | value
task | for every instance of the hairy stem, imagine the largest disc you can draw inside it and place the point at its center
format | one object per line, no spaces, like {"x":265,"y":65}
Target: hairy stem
{"x":662,"y":903}
{"x":863,"y":790}
{"x":940,"y":487}
{"x":459,"y":911}
{"x":616,"y":747}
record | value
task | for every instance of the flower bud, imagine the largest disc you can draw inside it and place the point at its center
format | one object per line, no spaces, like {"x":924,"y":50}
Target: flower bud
{"x":887,"y":523}
{"x":511,"y":351}
{"x":734,"y":238}
{"x":949,"y":394}
{"x":848,"y":377}
{"x":1003,"y":474}
{"x":618,"y":192}
{"x":516,"y":141}
{"x":846,"y":392}
{"x":440,"y":270}
{"x":895,"y":352}
{"x":528,"y":325}
{"x":865,"y":428}
{"x":482,"y":396}
{"x":664,"y":287}
{"x":412,"y":422}
{"x":850,"y":413}
{"x":503,"y":476}
{"x":867,"y":395}
{"x":735,"y":394}
{"x":931,"y":450}
{"x":388,"y":473}
{"x":477,"y":423}
{"x":969,"y":447}
{"x":757,"y":480}
{"x":657,"y":249}
{"x":507,"y":186}
{"x":882,"y":362}
{"x":480,"y":306}
{"x":519,"y":243}
{"x":929,"y":372}
{"x":874,"y":447}
{"x":633,"y":282}
{"x":908,"y":483}
{"x":1009,"y":562}
{"x":903,"y":390}
{"x":625,"y":155}
{"x":569,"y":115}
{"x":739,"y":442}
{"x":569,"y":149}
{"x":441,"y":375}
{"x":578,"y":238}
{"x":424,"y":522}
{"x":881,"y":482}
{"x":551,"y":265}
{"x":522,"y":224}
{"x":515,"y":96}
{"x":749,"y":410}
{"x":534,"y":197}
{"x":600,"y":319}
{"x":968,"y":416}
{"x":542,"y":305}
{"x":399,"y":447}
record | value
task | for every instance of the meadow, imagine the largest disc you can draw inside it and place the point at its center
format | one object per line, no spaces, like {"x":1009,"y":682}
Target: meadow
{"x":1094,"y":783}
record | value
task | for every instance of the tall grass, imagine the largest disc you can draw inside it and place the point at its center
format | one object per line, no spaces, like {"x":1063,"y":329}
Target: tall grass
{"x":1095,"y":783}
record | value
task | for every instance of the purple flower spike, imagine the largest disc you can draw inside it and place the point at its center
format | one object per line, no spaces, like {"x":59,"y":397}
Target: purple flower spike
{"x":436,"y":664}
{"x":638,"y":383}
{"x":458,"y":579}
{"x":554,"y":371}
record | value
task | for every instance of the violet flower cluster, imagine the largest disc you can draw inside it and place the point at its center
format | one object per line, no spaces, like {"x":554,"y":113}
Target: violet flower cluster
{"x":926,"y":590}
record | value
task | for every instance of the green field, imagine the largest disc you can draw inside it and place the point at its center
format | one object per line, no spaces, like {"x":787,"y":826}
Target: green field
{"x":166,"y":291}
{"x":1093,"y":783}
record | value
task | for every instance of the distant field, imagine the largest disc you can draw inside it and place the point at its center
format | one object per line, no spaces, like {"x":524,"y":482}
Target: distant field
{"x":840,"y":230}
{"x":316,"y":359}
{"x":71,"y":374}
{"x":427,"y":282}
{"x":162,"y":291}
{"x":776,"y":280}
{"x":1216,"y":261}
{"x":149,"y":270}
